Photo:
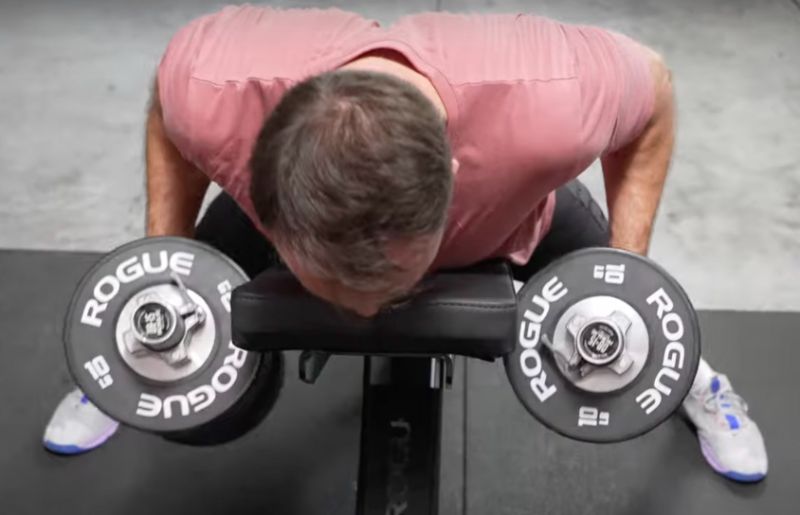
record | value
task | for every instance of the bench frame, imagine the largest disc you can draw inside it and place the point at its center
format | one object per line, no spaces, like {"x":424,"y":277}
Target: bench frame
{"x":401,"y":425}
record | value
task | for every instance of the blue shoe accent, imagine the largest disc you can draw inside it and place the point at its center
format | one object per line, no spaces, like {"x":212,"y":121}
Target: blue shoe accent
{"x":84,"y":399}
{"x":64,"y":449}
{"x":715,"y":385}
{"x":733,"y":422}
{"x":744,"y":478}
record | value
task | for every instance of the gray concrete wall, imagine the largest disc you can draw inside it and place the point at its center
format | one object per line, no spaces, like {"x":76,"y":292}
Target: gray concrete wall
{"x":74,"y":79}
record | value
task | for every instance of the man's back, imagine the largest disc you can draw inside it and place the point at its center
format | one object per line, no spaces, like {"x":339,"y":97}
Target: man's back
{"x":530,"y":103}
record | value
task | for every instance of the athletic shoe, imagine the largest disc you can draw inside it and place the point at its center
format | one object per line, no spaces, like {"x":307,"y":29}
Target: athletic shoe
{"x":729,"y":439}
{"x":77,"y":426}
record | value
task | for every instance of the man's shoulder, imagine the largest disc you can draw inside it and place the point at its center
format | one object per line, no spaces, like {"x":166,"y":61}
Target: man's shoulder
{"x":222,"y":73}
{"x":246,"y":42}
{"x":481,"y":48}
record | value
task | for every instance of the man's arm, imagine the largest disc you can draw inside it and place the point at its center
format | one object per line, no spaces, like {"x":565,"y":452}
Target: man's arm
{"x":175,"y":188}
{"x":635,"y":174}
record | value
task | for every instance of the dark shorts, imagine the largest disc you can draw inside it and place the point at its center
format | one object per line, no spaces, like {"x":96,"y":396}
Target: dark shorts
{"x":578,"y":222}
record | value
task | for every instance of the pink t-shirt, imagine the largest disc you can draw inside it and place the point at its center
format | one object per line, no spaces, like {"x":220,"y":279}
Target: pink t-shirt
{"x":531,"y":103}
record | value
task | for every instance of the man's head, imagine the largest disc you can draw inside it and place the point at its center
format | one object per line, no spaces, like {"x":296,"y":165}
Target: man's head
{"x":352,"y":174}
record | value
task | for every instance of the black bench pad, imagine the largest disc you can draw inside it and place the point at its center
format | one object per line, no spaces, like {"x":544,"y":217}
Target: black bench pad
{"x":471,"y":312}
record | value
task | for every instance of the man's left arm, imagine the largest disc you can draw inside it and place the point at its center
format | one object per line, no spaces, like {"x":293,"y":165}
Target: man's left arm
{"x":635,"y":174}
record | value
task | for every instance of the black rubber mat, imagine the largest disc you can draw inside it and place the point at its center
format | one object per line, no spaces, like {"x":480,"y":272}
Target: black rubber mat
{"x":303,"y":458}
{"x":516,"y":466}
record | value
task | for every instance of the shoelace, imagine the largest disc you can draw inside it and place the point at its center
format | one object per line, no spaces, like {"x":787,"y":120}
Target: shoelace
{"x":713,"y":401}
{"x":77,"y":400}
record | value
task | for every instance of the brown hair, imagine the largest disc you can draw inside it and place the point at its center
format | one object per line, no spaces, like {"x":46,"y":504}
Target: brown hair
{"x":347,"y":161}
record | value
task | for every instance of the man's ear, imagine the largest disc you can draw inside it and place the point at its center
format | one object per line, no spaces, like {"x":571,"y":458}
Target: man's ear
{"x":455,"y":165}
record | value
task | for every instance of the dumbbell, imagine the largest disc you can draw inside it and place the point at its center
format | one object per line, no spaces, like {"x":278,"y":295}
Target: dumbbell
{"x":148,"y":339}
{"x":607,"y":345}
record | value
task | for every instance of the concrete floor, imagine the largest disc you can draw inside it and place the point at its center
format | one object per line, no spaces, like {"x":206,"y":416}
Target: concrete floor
{"x":74,"y":80}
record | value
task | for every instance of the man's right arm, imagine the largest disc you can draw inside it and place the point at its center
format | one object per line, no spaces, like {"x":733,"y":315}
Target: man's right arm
{"x":175,"y":187}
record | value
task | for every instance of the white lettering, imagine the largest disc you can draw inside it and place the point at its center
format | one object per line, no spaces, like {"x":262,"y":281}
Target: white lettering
{"x":649,"y":400}
{"x":103,"y":296}
{"x":91,"y":311}
{"x":529,"y":334}
{"x":163,"y":262}
{"x":677,"y":332}
{"x":673,"y":330}
{"x":223,"y":386}
{"x":537,"y":359}
{"x":199,"y":398}
{"x":591,"y":416}
{"x":237,"y":358}
{"x":534,"y":317}
{"x":659,"y":385}
{"x":554,"y":290}
{"x":540,"y":388}
{"x":225,"y":289}
{"x":100,"y":371}
{"x":130,"y":270}
{"x":181,"y":263}
{"x":182,"y":401}
{"x":664,"y":302}
{"x":673,"y":355}
{"x":149,"y":405}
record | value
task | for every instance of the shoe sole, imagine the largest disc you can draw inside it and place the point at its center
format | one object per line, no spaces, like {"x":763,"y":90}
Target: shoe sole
{"x":71,"y":450}
{"x":708,"y":454}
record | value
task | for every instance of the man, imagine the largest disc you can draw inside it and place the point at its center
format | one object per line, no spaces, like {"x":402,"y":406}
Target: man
{"x":387,"y":153}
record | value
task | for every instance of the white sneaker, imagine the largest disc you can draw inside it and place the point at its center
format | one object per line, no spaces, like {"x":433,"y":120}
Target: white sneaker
{"x":730,"y":440}
{"x":77,"y":426}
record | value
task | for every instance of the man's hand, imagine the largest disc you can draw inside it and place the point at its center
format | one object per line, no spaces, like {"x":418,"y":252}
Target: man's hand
{"x":635,"y":174}
{"x":175,"y":188}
